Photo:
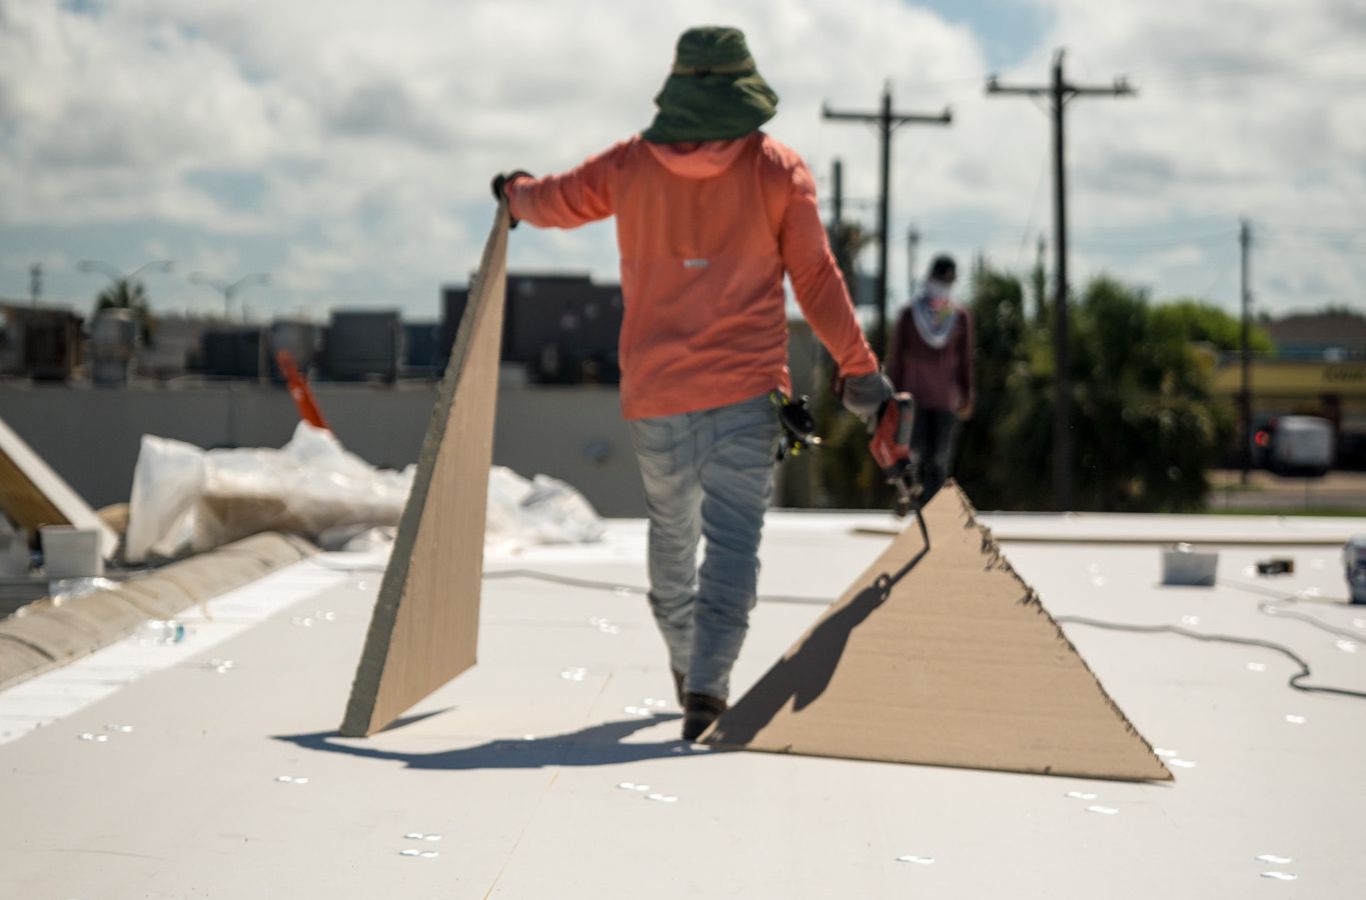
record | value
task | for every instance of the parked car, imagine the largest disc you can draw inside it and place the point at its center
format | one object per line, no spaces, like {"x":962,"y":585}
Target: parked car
{"x":1294,"y":445}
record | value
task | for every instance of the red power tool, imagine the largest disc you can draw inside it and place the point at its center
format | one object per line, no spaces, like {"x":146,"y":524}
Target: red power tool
{"x":891,"y":449}
{"x":299,"y":390}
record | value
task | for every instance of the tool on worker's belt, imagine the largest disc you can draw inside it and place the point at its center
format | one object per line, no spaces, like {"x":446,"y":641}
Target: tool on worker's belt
{"x":799,"y":426}
{"x":891,"y":448}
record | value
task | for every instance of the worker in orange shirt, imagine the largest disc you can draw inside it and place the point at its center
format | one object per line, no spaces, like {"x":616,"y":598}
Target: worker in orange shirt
{"x":711,"y":214}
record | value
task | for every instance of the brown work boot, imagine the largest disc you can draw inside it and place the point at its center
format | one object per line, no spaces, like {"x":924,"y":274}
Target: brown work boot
{"x":678,"y":686}
{"x":699,"y":711}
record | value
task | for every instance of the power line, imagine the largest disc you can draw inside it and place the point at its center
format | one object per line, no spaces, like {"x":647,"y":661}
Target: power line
{"x":1306,"y":240}
{"x":1033,"y":207}
{"x":1206,"y":237}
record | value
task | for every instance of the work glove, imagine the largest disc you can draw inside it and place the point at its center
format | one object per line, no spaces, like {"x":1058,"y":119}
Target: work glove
{"x":864,"y":395}
{"x":500,"y":183}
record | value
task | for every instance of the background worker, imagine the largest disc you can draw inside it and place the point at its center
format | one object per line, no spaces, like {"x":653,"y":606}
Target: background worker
{"x":710,"y":215}
{"x":931,"y":358}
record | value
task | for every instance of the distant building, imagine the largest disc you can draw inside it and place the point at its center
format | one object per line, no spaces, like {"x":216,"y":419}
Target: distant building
{"x":364,"y":345}
{"x":562,"y":327}
{"x":1336,"y":335}
{"x":39,"y":342}
{"x":421,"y":346}
{"x":173,"y":346}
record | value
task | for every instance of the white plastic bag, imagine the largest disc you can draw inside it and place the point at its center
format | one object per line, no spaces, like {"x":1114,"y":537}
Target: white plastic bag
{"x":167,"y":484}
{"x":544,"y":510}
{"x":188,"y":500}
{"x":559,"y":514}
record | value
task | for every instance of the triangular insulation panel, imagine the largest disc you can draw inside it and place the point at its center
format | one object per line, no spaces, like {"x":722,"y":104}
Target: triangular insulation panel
{"x":957,"y":665}
{"x":426,"y":619}
{"x":33,"y":495}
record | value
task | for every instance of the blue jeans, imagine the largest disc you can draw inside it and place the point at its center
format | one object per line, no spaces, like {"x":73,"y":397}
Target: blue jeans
{"x":707,"y":473}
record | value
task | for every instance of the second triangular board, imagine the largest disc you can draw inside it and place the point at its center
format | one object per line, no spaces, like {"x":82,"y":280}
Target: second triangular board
{"x":959,"y":666}
{"x":425,"y":625}
{"x":33,"y":495}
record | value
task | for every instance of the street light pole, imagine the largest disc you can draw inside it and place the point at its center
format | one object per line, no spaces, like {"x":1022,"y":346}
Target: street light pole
{"x":229,"y":289}
{"x":114,"y":274}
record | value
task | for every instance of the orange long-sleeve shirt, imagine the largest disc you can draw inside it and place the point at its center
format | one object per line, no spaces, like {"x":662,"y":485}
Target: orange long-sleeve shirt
{"x":706,"y":232}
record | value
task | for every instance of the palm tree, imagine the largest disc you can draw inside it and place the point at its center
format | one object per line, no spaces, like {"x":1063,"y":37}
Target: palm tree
{"x":129,"y":294}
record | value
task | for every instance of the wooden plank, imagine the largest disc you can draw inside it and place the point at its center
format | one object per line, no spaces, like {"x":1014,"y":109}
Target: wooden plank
{"x":425,"y":625}
{"x":959,"y":664}
{"x":33,"y":495}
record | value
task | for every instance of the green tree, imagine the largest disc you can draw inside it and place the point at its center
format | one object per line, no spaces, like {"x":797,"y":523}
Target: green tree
{"x":1146,"y":429}
{"x":130,"y":294}
{"x":1006,"y":342}
{"x":1199,"y":320}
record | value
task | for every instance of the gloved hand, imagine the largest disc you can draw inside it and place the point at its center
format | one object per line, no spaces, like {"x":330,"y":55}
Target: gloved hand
{"x":864,"y":395}
{"x":500,"y":182}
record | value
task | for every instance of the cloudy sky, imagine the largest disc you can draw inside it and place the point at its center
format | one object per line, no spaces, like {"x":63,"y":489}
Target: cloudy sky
{"x":345,"y":147}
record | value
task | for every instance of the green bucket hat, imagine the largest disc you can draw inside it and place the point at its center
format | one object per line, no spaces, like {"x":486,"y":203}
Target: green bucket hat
{"x":714,"y":93}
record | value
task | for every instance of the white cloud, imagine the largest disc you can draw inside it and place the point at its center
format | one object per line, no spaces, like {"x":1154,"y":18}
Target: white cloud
{"x":371,"y":131}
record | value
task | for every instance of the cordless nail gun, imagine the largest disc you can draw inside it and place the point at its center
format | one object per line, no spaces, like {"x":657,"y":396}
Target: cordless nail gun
{"x":891,"y":449}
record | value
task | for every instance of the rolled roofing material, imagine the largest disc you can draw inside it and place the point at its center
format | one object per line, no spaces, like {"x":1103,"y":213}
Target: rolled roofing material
{"x":45,"y":635}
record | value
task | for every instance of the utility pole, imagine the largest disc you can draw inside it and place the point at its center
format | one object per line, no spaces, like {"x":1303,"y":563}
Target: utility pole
{"x":35,"y":282}
{"x":887,"y":122}
{"x":1040,"y":281}
{"x":912,"y":243}
{"x":1059,"y":91}
{"x":1245,"y":398}
{"x":837,"y":189}
{"x":838,"y":232}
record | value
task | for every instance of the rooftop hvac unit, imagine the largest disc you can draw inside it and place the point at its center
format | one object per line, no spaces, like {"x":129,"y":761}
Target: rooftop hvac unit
{"x":232,"y":352}
{"x":364,"y":345}
{"x":52,"y":340}
{"x":113,"y":341}
{"x":300,"y":339}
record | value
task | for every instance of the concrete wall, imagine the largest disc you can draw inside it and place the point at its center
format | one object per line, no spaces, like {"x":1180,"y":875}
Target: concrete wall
{"x":91,"y":436}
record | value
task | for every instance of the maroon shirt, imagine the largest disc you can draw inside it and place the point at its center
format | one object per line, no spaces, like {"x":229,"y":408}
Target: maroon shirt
{"x":937,"y":379}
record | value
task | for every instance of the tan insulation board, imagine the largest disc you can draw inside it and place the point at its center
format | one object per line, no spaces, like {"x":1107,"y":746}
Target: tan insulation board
{"x":425,"y":625}
{"x":960,"y":666}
